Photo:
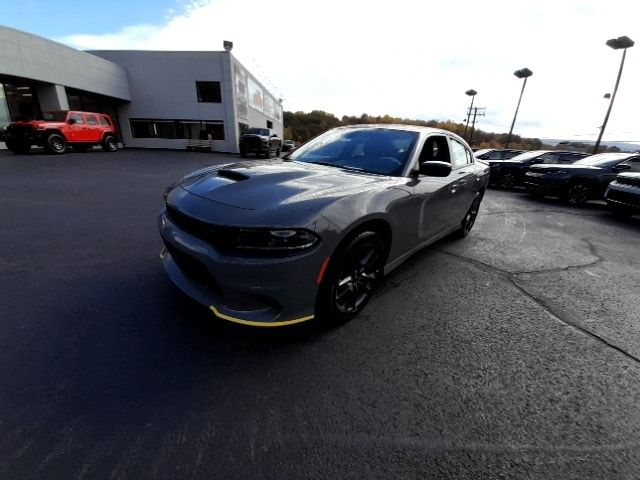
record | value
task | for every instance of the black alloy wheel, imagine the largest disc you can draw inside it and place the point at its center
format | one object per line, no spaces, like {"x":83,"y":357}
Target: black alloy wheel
{"x":578,"y":194}
{"x":110,"y":144}
{"x":507,"y":181}
{"x":470,"y":218}
{"x":56,"y":144}
{"x":351,"y":278}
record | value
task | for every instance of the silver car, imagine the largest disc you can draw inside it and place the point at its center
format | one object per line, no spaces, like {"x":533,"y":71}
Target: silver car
{"x":272,"y":244}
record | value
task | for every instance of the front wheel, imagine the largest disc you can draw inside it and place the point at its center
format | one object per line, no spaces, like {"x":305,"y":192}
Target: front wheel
{"x":577,"y":194}
{"x":56,"y":144}
{"x":351,"y":278}
{"x":470,"y":218}
{"x":278,"y":151}
{"x":267,"y":154}
{"x":110,"y":144}
{"x":507,"y":181}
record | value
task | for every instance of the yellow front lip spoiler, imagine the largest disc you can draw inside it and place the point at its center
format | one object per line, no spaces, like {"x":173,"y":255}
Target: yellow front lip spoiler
{"x":252,"y":323}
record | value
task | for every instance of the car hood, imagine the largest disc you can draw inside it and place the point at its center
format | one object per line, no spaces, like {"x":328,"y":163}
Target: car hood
{"x":40,"y":123}
{"x":569,"y":166}
{"x":261,"y":186}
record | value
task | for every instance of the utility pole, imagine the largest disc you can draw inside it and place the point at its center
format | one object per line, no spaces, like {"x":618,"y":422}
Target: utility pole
{"x":477,"y":112}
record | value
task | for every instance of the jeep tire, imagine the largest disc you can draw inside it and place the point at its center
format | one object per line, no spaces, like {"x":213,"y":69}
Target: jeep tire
{"x":55,"y":143}
{"x":109,"y":143}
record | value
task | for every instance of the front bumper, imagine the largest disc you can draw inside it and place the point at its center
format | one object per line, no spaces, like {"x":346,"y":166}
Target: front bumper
{"x":256,"y":291}
{"x":30,"y":137}
{"x":622,"y":196}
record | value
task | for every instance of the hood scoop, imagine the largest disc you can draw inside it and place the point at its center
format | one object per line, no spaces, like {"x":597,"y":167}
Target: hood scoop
{"x":232,"y":175}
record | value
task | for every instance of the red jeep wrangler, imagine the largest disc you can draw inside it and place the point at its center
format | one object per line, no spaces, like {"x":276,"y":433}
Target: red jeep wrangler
{"x":59,"y":129}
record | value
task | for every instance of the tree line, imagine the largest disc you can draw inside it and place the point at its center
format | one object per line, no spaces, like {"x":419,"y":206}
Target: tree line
{"x":301,"y":126}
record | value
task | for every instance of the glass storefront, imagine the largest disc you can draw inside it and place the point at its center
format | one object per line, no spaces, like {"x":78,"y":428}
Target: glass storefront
{"x":5,"y":118}
{"x":21,"y":101}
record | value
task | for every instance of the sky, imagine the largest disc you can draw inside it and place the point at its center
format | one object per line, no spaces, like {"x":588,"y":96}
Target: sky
{"x":412,"y":59}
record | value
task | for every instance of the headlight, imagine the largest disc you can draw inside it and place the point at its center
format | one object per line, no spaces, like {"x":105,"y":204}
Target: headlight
{"x":275,"y":240}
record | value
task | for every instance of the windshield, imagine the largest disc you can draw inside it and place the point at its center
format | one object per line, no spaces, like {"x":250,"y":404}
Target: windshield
{"x":259,"y":131}
{"x":54,"y":116}
{"x":374,"y":150}
{"x":601,"y":159}
{"x":527,"y":155}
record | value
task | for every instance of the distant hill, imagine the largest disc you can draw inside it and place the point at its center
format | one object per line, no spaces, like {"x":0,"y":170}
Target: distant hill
{"x":623,"y":146}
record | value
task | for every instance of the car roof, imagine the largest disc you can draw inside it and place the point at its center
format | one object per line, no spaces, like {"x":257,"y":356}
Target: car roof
{"x":401,"y":126}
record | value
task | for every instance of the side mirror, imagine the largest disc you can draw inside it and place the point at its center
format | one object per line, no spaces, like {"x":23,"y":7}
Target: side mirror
{"x":273,"y":135}
{"x":71,"y":121}
{"x":435,"y":169}
{"x":622,"y":166}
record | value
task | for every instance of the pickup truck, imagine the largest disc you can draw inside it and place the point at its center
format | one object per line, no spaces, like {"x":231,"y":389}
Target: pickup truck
{"x":261,"y":141}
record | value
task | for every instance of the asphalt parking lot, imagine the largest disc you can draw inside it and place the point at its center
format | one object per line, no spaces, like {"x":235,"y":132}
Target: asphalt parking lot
{"x":511,"y":354}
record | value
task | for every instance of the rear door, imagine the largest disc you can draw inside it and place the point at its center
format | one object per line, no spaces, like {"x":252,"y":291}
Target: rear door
{"x":91,"y":132}
{"x":463,"y":186}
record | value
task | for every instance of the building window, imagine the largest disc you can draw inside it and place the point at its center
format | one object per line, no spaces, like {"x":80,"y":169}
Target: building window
{"x":209,"y":92}
{"x":269,"y":124}
{"x":177,"y":129}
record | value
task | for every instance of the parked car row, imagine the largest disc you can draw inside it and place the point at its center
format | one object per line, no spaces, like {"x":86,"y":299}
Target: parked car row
{"x":572,"y":176}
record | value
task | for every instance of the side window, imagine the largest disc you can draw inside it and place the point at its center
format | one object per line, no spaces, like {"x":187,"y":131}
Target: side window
{"x":77,"y":117}
{"x":548,"y":158}
{"x":105,"y":121}
{"x":91,"y":119}
{"x":459,"y":154}
{"x":495,"y":155}
{"x":435,"y":149}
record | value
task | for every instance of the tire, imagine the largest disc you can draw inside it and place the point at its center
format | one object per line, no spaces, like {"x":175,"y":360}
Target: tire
{"x":109,"y":143}
{"x":243,"y":154}
{"x":507,"y":181}
{"x":56,"y":144}
{"x":18,"y":148}
{"x":577,"y":193}
{"x":267,"y":154}
{"x":278,"y":151}
{"x":349,"y":282}
{"x":470,"y":217}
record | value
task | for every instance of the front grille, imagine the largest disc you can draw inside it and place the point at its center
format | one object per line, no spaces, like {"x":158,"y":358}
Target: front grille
{"x":223,"y":238}
{"x":624,"y":197}
{"x":251,"y":142}
{"x":634,"y":182}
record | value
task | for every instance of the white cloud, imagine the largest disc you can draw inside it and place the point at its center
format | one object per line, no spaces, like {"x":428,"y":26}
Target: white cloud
{"x":416,"y":59}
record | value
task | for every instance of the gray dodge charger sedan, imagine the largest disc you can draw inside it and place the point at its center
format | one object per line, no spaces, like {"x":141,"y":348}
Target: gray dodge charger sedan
{"x":273,"y":243}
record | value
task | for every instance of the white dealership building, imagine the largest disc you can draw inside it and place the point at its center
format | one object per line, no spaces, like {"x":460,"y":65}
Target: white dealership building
{"x":160,"y":99}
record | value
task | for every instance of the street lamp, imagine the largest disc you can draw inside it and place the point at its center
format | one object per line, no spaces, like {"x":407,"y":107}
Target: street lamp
{"x":617,"y":44}
{"x":522,"y":73}
{"x":472,"y":93}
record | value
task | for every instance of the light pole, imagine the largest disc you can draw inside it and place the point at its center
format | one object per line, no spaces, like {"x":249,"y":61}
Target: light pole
{"x":617,"y":44}
{"x":522,"y":73}
{"x":472,"y":93}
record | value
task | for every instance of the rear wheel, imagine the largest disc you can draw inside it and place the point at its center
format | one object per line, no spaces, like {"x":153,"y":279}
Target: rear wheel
{"x":267,"y":154}
{"x":578,"y":193}
{"x":470,"y":218}
{"x":351,"y":278}
{"x":109,"y":143}
{"x":56,"y":144}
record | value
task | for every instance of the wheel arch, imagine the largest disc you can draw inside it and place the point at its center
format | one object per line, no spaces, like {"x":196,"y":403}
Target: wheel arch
{"x":375,"y":224}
